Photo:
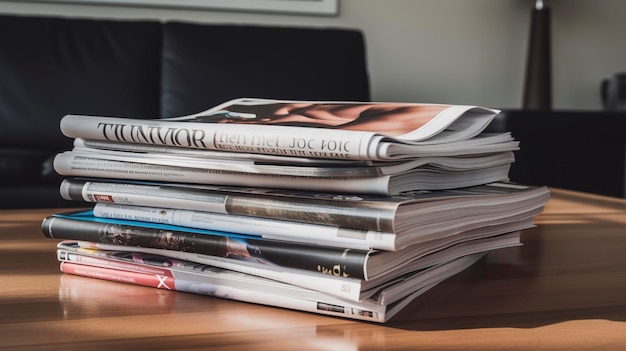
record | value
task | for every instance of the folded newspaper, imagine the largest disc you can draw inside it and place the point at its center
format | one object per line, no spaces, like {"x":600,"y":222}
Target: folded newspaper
{"x":313,"y":129}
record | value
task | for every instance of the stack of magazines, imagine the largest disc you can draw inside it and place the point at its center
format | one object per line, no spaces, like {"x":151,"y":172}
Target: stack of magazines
{"x":347,"y":209}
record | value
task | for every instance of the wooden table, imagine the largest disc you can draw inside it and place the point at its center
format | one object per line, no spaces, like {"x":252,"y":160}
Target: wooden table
{"x":565,"y":289}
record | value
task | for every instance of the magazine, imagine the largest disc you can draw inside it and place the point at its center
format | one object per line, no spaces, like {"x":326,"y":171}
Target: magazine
{"x":243,"y":157}
{"x":323,"y":169}
{"x":359,"y":264}
{"x":316,"y":166}
{"x":315,"y":129}
{"x":399,"y":214}
{"x":429,"y":178}
{"x":220,"y":283}
{"x":316,"y":233}
{"x":344,"y":287}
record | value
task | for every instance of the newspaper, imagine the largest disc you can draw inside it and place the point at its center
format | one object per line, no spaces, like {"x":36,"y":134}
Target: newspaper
{"x":312,"y":129}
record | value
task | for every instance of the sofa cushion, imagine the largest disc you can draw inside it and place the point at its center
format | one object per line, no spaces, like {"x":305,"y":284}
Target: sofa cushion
{"x":205,"y":65}
{"x":51,"y":67}
{"x":21,"y":166}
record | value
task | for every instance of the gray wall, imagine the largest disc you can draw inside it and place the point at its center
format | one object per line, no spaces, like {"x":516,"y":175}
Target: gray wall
{"x":448,"y":51}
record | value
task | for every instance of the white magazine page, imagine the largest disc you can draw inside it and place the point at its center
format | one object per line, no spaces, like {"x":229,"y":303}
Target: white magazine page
{"x":209,"y":154}
{"x":249,"y":166}
{"x":332,"y":130}
{"x":67,"y":164}
{"x":248,"y":138}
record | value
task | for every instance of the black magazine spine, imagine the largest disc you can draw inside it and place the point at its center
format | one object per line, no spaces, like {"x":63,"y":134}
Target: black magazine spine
{"x":325,"y":260}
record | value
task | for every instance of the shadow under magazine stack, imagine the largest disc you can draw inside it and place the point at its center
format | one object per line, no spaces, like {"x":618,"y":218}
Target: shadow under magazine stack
{"x":340,"y":208}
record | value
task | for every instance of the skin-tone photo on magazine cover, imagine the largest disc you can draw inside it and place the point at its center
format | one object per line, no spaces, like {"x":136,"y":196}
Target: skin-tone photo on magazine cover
{"x":388,"y":119}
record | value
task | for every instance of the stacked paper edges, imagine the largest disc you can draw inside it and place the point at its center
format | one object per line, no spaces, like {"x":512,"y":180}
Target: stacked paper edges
{"x":339,"y":208}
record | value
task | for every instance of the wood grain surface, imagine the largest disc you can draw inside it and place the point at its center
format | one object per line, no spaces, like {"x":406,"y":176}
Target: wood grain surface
{"x":564,"y":289}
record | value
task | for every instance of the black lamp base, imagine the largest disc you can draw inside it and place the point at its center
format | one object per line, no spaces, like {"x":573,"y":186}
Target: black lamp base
{"x":538,"y":83}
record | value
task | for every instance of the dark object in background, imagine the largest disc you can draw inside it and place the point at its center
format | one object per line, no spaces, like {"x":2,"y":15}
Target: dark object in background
{"x":206,"y":65}
{"x":538,"y":80}
{"x":613,"y":92}
{"x":575,"y":150}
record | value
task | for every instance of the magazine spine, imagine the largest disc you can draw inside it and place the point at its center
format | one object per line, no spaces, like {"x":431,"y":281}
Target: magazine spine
{"x":69,"y":164}
{"x":339,"y":262}
{"x":263,"y":227}
{"x":322,"y":210}
{"x":263,"y":139}
{"x":334,"y":308}
{"x":349,"y":289}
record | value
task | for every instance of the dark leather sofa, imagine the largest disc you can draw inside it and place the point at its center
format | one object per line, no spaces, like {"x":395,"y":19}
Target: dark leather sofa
{"x":53,"y":66}
{"x":575,"y":150}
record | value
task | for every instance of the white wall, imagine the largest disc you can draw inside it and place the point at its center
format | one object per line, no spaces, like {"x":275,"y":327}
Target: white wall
{"x":451,"y":51}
